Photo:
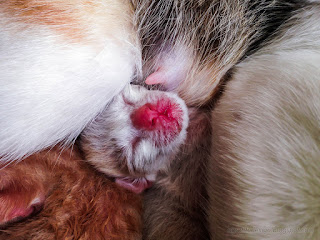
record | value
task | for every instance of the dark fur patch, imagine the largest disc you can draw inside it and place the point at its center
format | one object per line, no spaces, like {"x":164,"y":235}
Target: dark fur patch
{"x":274,"y":14}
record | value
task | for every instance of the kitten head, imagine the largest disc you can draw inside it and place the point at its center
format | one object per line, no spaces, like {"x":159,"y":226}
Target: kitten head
{"x":136,"y":135}
{"x":54,"y":194}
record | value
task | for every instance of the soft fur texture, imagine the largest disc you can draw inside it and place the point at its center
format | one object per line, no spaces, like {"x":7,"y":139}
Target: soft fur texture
{"x":263,"y":171}
{"x":189,"y":46}
{"x":114,"y":146}
{"x":174,"y":208}
{"x":77,"y":201}
{"x":263,"y":176}
{"x":61,"y":63}
{"x":266,"y":146}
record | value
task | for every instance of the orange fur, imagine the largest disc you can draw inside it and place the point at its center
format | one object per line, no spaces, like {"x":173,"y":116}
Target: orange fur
{"x":78,"y":20}
{"x":79,"y":202}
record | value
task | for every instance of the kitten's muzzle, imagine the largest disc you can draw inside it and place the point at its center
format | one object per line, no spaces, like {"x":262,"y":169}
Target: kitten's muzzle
{"x":164,"y":117}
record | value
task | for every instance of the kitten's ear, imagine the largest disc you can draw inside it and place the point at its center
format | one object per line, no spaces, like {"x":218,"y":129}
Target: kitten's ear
{"x":20,"y":195}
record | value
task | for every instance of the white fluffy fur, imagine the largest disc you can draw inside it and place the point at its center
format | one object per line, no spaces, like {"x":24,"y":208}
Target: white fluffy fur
{"x":266,"y":141}
{"x":52,"y":87}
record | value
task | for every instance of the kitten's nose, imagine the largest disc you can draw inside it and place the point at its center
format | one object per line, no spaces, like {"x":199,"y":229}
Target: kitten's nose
{"x":164,"y":117}
{"x":145,"y":117}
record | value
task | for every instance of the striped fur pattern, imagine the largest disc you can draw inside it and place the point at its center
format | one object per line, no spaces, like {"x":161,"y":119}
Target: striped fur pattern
{"x":263,"y":171}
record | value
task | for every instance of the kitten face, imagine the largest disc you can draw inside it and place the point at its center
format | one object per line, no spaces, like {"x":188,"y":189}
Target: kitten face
{"x":136,"y":135}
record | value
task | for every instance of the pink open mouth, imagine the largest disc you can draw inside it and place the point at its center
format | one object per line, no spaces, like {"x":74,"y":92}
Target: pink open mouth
{"x":165,"y":117}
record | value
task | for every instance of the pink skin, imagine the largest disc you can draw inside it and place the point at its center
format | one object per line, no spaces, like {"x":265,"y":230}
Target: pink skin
{"x":19,"y":211}
{"x":165,"y":117}
{"x":169,"y":76}
{"x":158,"y":77}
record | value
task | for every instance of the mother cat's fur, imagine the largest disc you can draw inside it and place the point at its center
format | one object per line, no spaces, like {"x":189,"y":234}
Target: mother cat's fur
{"x":266,"y":145}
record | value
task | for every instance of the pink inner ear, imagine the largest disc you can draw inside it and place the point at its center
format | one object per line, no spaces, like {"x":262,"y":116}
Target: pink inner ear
{"x":136,"y":185}
{"x":15,"y":207}
{"x":19,"y":212}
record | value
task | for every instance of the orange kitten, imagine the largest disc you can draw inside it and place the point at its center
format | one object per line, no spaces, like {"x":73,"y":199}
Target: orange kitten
{"x":76,"y":201}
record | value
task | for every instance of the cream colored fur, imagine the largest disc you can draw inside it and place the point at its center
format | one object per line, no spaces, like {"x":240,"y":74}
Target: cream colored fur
{"x":265,"y":169}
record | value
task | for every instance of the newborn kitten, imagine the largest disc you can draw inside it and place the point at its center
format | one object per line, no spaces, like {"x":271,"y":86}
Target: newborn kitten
{"x":140,"y":130}
{"x":63,"y":61}
{"x":187,"y":47}
{"x":130,"y":140}
{"x":72,"y":200}
{"x":143,"y":132}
